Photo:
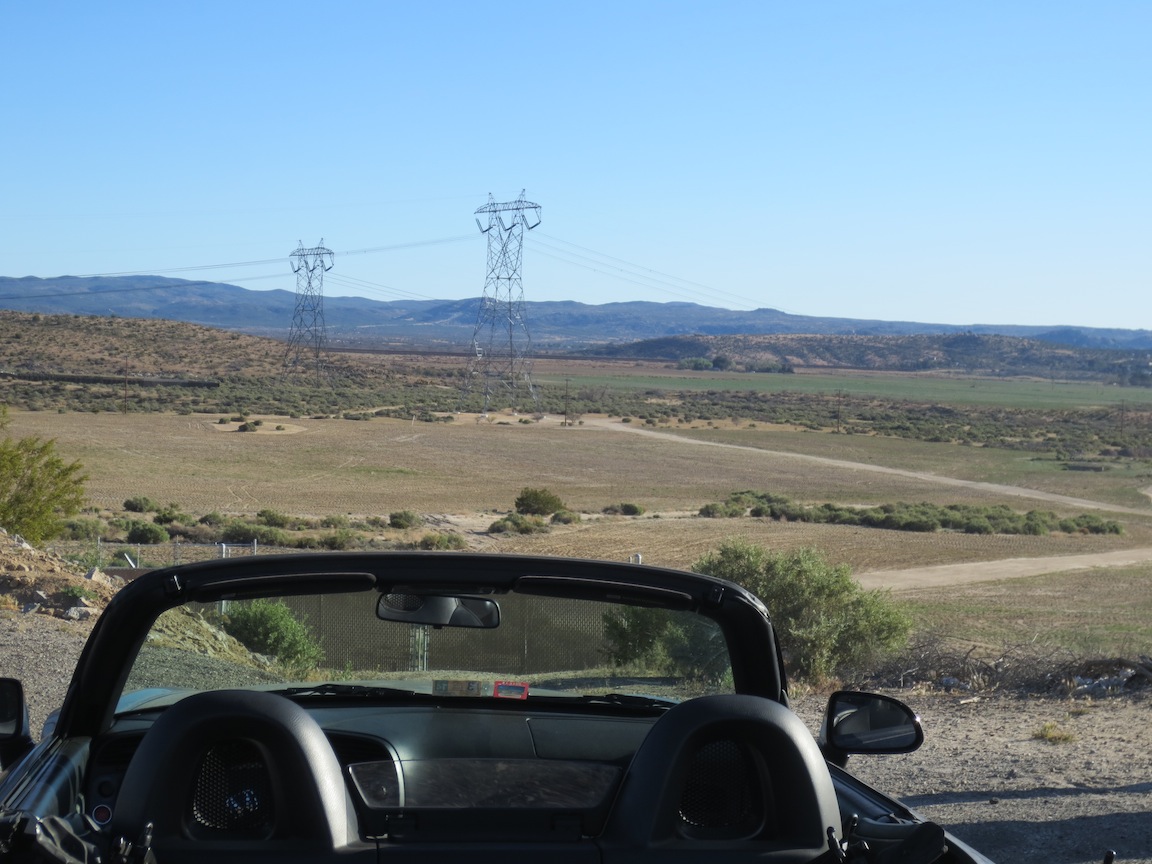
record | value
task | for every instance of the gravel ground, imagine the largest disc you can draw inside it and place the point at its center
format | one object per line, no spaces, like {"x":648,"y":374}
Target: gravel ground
{"x":1017,"y":798}
{"x":981,"y":773}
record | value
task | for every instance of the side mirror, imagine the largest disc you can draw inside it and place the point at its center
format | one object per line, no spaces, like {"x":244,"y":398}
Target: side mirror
{"x":438,"y":611}
{"x":15,"y":729}
{"x":856,"y":722}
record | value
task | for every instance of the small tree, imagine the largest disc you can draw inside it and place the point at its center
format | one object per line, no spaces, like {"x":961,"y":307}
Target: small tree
{"x":38,"y":489}
{"x":826,"y":622}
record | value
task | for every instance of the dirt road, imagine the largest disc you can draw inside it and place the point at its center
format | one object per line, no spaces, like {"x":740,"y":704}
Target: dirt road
{"x":1017,"y":491}
{"x":1008,"y":568}
{"x":946,"y":574}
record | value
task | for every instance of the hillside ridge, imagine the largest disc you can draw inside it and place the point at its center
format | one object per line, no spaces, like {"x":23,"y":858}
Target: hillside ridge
{"x":564,"y":324}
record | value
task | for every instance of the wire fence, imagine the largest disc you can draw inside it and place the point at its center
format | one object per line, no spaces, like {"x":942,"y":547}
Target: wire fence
{"x":103,"y":553}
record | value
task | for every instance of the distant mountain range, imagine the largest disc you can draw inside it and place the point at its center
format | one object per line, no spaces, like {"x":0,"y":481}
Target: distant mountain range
{"x":449,"y":324}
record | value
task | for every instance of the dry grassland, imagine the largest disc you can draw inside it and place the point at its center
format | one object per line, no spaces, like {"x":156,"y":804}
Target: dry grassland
{"x":475,"y":469}
{"x":1080,"y":611}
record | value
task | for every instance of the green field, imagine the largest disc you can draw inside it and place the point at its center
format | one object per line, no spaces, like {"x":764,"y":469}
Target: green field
{"x":1118,"y":481}
{"x":936,"y":388}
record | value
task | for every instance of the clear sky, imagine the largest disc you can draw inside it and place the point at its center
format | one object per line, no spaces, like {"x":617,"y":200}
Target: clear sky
{"x":953,"y":162}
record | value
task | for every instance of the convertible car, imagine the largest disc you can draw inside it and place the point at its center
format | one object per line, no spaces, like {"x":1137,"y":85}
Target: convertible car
{"x":423,"y":707}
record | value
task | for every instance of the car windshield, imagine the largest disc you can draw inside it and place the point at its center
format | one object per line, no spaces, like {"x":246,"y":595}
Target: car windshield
{"x":340,"y":645}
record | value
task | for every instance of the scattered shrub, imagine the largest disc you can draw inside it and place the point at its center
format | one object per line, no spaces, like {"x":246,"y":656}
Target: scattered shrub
{"x":827,"y":623}
{"x":147,"y":533}
{"x":168,"y":515}
{"x":623,"y":510}
{"x":272,"y":518}
{"x":442,"y":540}
{"x":722,"y":511}
{"x":83,"y":529}
{"x":140,"y":504}
{"x":78,"y":592}
{"x":269,"y":627}
{"x":518,"y":523}
{"x":1053,"y":733}
{"x":341,"y":538}
{"x":242,"y":532}
{"x":538,"y":502}
{"x":404,"y":519}
{"x":565,"y":517}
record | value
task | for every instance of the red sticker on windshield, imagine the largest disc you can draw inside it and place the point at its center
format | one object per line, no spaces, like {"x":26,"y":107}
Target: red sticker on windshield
{"x":510,"y":690}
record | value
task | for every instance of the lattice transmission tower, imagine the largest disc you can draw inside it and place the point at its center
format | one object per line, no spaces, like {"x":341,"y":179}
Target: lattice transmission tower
{"x":307,"y":340}
{"x":500,"y":359}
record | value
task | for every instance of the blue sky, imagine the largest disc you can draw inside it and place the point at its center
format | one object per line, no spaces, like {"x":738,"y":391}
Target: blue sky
{"x":961,"y":163}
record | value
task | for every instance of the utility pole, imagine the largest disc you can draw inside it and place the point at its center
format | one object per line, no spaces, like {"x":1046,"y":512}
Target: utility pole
{"x":307,"y":340}
{"x":500,"y":343}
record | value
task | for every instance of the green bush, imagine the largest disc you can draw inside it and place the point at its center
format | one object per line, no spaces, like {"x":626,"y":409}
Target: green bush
{"x":272,"y":518}
{"x":722,"y":511}
{"x":538,"y":502}
{"x":171,"y":513}
{"x":404,"y":519}
{"x":242,"y":532}
{"x":38,"y":489}
{"x":517,"y":523}
{"x":140,"y":504}
{"x":341,"y":538}
{"x":623,"y":510}
{"x":826,"y":622}
{"x":565,"y":517}
{"x":83,"y":529}
{"x":147,"y":533}
{"x":442,"y":540}
{"x":269,"y":627}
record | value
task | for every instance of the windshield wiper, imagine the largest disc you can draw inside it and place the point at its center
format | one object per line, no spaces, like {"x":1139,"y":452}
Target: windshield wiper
{"x":342,"y":690}
{"x":627,"y":699}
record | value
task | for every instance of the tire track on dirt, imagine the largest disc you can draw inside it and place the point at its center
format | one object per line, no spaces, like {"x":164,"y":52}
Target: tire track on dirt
{"x":942,"y":575}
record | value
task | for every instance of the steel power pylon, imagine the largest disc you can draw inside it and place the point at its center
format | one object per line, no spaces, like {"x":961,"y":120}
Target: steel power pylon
{"x":500,"y":343}
{"x":307,"y":339}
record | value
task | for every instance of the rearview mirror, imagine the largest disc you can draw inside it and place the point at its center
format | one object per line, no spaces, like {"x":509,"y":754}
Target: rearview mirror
{"x":438,"y":611}
{"x":857,"y":722}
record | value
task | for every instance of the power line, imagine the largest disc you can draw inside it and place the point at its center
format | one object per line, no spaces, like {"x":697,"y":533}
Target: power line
{"x":362,"y":285}
{"x":635,"y":271}
{"x":265,"y":261}
{"x":594,"y":261}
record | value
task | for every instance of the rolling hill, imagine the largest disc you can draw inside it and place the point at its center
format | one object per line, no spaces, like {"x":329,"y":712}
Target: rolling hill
{"x":422,"y":324}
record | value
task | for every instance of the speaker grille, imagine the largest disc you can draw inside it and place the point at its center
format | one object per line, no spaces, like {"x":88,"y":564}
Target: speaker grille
{"x":233,"y":791}
{"x":723,"y":796}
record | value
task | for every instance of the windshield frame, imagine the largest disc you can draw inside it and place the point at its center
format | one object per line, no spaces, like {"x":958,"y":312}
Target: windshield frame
{"x":121,"y":631}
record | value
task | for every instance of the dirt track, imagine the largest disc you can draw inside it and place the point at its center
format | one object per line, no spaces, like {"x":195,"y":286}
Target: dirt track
{"x":984,"y":571}
{"x":946,"y":574}
{"x":1018,"y":491}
